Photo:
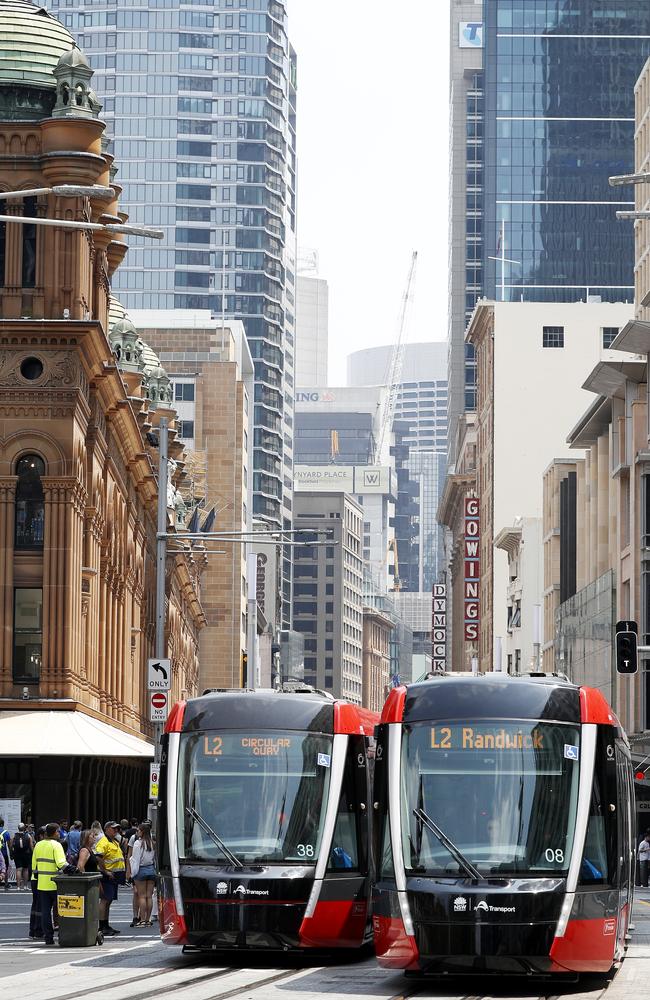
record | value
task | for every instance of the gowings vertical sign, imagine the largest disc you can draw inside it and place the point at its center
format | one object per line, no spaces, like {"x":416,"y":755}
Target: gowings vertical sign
{"x":439,"y":626}
{"x":472,"y":569}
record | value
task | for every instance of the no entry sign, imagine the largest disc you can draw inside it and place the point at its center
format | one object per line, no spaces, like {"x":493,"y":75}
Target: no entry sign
{"x":158,"y":706}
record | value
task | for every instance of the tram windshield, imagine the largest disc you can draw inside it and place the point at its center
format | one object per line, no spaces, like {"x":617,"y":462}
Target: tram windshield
{"x":259,"y":796}
{"x":497,"y":797}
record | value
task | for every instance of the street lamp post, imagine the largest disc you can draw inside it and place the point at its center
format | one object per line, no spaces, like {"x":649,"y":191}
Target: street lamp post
{"x":75,"y":191}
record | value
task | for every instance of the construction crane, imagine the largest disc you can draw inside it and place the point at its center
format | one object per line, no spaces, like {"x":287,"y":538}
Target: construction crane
{"x":394,"y":371}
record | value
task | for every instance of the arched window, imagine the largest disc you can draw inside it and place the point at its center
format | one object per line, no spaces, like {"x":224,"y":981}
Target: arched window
{"x":30,"y":503}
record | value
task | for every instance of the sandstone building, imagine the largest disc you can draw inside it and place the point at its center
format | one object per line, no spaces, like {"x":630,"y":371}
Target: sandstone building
{"x":78,"y":462}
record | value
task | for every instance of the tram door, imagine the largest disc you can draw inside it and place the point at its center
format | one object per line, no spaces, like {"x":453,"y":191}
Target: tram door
{"x":624,"y":804}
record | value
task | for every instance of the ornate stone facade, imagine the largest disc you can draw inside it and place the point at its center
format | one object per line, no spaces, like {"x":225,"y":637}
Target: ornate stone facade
{"x":78,"y":459}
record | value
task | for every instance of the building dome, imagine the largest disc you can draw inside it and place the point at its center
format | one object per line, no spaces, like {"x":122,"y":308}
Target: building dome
{"x":117,"y":313}
{"x":121,"y":331}
{"x":31,"y":43}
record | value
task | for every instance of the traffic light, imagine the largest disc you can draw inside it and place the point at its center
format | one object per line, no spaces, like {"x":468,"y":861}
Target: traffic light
{"x":626,"y":653}
{"x":244,"y":670}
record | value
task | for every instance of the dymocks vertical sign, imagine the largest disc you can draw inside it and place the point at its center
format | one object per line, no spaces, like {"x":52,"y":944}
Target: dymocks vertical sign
{"x":439,"y":626}
{"x":472,"y":569}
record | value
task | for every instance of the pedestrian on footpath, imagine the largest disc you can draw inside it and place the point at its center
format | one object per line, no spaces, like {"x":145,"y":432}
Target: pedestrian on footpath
{"x":143,"y":872}
{"x":87,"y":859}
{"x":644,"y":857}
{"x":96,"y":830}
{"x":23,"y":845}
{"x":5,"y":850}
{"x":113,"y":868}
{"x":129,"y":878}
{"x":47,"y":860}
{"x":3,"y":868}
{"x":74,"y":842}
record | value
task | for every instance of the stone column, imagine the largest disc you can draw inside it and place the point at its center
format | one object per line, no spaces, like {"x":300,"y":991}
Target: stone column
{"x":62,"y":559}
{"x":12,"y":299}
{"x":7,"y":518}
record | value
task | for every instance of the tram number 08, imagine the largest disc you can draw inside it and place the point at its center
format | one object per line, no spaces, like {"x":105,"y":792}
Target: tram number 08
{"x":554,"y":856}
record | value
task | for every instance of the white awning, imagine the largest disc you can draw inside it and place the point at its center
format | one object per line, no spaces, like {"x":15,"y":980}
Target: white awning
{"x":65,"y":734}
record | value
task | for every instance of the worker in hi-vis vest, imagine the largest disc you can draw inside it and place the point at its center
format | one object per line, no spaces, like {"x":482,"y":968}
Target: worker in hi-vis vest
{"x":47,"y":860}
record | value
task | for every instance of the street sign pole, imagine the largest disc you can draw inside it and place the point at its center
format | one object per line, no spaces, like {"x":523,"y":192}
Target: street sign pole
{"x":161,"y":556}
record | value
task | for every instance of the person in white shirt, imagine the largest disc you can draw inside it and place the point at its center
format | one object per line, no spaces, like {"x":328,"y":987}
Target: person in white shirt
{"x":643,"y":855}
{"x":143,"y":872}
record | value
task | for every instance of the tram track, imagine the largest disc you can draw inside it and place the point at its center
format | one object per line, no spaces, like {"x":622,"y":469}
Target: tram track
{"x":190,"y":984}
{"x":144,"y":977}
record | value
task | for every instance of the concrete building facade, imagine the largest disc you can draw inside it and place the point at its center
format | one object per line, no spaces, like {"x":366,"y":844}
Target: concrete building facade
{"x":377,"y":629}
{"x":522,"y":350}
{"x":312,"y":331}
{"x":328,"y":593}
{"x":212,"y":377}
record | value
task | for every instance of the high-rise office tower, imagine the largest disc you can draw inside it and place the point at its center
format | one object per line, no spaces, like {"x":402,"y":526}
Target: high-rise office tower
{"x":542,"y":113}
{"x":466,"y":147}
{"x":559,"y":120}
{"x":201,"y":107}
{"x":420,"y":458}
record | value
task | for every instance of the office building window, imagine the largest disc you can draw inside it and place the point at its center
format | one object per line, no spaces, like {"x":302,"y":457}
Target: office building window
{"x":28,"y":634}
{"x":609,"y":335}
{"x":187,"y":429}
{"x":184,"y":391}
{"x":553,"y":336}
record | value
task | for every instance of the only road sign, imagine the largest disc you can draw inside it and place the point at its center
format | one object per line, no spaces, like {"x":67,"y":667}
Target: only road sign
{"x":159,"y":675}
{"x":158,"y":706}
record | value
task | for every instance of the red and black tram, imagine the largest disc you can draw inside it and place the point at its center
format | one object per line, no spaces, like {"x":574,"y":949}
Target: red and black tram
{"x":264,"y":822}
{"x":503,"y":826}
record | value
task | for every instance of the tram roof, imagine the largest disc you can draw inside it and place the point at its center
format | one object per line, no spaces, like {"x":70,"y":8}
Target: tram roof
{"x":458,"y":697}
{"x":262,"y":709}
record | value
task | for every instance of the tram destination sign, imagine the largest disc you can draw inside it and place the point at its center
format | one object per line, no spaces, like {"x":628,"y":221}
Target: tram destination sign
{"x":256,"y":746}
{"x":493,"y":738}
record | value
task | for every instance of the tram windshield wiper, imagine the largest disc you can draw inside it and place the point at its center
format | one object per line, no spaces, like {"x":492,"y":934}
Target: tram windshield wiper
{"x":232,"y":858}
{"x":449,"y":844}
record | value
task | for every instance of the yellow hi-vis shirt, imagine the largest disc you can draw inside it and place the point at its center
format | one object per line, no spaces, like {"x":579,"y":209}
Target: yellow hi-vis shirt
{"x":111,"y":854}
{"x":47,"y":860}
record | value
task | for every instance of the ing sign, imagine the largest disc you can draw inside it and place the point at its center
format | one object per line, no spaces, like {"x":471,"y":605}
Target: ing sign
{"x":472,"y":569}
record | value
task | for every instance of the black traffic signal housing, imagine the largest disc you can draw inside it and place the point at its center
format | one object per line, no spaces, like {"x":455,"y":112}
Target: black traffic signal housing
{"x":626,"y":651}
{"x":244,"y":670}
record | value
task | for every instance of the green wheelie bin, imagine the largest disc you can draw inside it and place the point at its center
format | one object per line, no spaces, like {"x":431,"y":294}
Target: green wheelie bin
{"x":77,"y":898}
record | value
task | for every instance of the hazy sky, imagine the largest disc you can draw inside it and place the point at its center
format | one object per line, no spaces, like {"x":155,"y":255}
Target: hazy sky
{"x":373,"y":162}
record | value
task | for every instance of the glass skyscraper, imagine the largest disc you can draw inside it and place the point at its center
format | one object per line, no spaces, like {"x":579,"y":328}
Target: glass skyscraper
{"x":200,"y":101}
{"x":559,"y":120}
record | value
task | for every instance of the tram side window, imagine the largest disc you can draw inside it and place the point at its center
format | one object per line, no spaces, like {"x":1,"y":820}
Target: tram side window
{"x":345,"y":843}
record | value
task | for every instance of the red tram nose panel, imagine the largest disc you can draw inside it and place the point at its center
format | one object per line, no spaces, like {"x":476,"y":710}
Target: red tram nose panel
{"x":503,"y":828}
{"x":264,"y":822}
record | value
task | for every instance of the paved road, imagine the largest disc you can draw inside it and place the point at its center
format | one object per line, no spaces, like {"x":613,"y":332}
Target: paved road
{"x":136,"y":966}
